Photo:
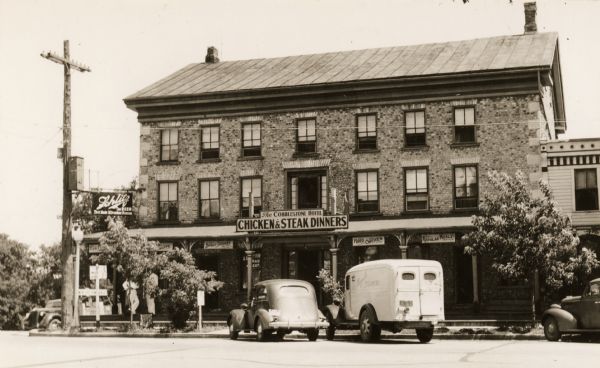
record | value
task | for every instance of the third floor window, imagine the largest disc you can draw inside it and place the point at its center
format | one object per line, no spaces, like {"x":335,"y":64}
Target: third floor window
{"x":251,"y":139}
{"x":366,"y":132}
{"x":306,"y":138}
{"x":464,"y":125}
{"x":169,"y":144}
{"x":209,"y":142}
{"x":415,"y":128}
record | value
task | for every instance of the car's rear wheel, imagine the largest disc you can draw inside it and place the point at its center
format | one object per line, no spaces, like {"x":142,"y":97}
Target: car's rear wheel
{"x":261,"y":332}
{"x":312,"y":334}
{"x":424,"y":334}
{"x":233,"y":334}
{"x":369,"y":330}
{"x":551,"y":330}
{"x":54,"y":325}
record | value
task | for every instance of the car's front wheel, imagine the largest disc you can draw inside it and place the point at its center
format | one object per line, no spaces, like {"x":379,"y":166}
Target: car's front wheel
{"x":551,"y":330}
{"x":424,"y":334}
{"x":369,"y":330}
{"x":233,"y":334}
{"x":312,"y":334}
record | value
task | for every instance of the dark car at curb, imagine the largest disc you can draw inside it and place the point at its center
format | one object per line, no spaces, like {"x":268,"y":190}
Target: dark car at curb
{"x":575,"y":314}
{"x":48,"y":317}
{"x":278,"y":306}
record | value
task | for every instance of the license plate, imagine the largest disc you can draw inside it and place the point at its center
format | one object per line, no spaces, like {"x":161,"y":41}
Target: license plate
{"x":406,"y":303}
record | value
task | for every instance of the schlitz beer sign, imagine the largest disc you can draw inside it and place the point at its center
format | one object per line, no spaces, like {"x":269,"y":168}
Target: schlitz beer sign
{"x":104,"y":203}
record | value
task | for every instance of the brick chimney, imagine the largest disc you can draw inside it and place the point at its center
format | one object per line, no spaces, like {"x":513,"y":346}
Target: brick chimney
{"x":212,"y":54}
{"x":530,"y":10}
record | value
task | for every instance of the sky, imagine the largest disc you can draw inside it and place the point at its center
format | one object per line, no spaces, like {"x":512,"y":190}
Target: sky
{"x":130,"y":44}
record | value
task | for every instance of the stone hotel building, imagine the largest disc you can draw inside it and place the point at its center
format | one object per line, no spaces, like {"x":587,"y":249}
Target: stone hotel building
{"x":386,"y":150}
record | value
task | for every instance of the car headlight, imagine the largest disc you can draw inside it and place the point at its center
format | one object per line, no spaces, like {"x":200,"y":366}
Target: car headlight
{"x":42,"y":314}
{"x":274,"y":313}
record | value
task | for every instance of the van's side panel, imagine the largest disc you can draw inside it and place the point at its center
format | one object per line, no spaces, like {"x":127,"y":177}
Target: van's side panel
{"x":370,"y":286}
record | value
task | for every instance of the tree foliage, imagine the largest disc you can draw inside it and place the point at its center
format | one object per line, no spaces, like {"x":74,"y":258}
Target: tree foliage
{"x":181,"y":281}
{"x":522,"y":233}
{"x":46,"y":282}
{"x":330,"y":286}
{"x":16,"y":273}
{"x":136,"y":258}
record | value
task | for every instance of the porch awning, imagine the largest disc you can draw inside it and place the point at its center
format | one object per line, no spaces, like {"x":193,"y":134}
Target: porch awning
{"x":428,"y":224}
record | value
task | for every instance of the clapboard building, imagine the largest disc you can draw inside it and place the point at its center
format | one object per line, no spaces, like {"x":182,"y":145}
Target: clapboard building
{"x":391,"y":144}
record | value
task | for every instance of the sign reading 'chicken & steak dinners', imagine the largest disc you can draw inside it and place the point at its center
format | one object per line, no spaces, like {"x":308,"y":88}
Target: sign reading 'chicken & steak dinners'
{"x":292,"y":220}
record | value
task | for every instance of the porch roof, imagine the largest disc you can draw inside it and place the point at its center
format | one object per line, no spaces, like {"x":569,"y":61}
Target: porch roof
{"x":354,"y":227}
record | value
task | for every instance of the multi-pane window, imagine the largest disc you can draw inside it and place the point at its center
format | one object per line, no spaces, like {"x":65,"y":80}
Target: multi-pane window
{"x":466,"y":187}
{"x":415,"y":128}
{"x":169,"y":144}
{"x":464,"y":125}
{"x":306,"y":139}
{"x":209,"y":145}
{"x":209,"y":199}
{"x":251,"y":186}
{"x":167,"y":201}
{"x":366,"y":132}
{"x":417,"y":196}
{"x":367,"y":191}
{"x":251,"y":139}
{"x":586,"y":190}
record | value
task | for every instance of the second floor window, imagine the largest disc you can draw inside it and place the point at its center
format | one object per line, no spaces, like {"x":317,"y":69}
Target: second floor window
{"x":209,"y":199}
{"x":466,"y":187}
{"x":306,"y":139}
{"x":586,"y":190}
{"x":417,"y":197}
{"x":366,"y":132}
{"x":169,"y":144}
{"x":367,"y":191}
{"x":415,"y":128}
{"x":167,"y":201}
{"x":251,"y":186}
{"x":464,"y":125}
{"x":251,"y":139}
{"x":209,"y":145}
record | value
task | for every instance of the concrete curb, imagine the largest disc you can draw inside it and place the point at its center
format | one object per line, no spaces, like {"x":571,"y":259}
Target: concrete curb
{"x":344,"y":337}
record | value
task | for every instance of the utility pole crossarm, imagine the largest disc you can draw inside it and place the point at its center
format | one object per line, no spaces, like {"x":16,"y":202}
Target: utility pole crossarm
{"x":61,"y":60}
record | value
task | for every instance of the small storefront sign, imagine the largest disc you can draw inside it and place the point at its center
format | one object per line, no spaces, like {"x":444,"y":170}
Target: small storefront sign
{"x":292,"y":223}
{"x":98,"y":272}
{"x":438,"y":238}
{"x":93,"y":292}
{"x":218,"y":244}
{"x":164,"y":247}
{"x":94,"y":248}
{"x":105,"y":203}
{"x":367,"y":241}
{"x":292,"y":213}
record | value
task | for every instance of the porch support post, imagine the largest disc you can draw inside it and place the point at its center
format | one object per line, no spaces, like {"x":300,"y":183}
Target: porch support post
{"x":333,"y":244}
{"x":249,"y":254}
{"x":475,"y":279}
{"x":402,"y":238}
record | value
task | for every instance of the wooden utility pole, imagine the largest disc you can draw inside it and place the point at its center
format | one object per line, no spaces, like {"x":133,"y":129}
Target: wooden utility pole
{"x":66,"y":241}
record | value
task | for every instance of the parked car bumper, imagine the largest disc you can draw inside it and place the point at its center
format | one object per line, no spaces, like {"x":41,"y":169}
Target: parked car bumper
{"x":294,"y":325}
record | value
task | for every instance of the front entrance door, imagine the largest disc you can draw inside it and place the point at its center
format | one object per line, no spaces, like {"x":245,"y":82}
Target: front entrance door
{"x":304,"y":264}
{"x":209,"y":263}
{"x":464,"y":276}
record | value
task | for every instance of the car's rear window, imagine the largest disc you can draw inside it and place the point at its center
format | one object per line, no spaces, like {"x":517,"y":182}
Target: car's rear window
{"x":429,"y":276}
{"x":408,"y":276}
{"x":294,"y":290}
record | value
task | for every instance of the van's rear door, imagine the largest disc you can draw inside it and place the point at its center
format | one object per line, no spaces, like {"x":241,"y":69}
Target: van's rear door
{"x":407,"y":306}
{"x":432,"y":297}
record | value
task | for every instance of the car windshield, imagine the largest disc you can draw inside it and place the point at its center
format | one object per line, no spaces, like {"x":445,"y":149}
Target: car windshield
{"x":293,"y":290}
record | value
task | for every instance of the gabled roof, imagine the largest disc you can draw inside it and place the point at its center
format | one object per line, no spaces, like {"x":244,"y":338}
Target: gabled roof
{"x":524,"y":51}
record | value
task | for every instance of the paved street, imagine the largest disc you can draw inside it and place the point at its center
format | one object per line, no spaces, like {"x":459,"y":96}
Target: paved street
{"x":19,"y":350}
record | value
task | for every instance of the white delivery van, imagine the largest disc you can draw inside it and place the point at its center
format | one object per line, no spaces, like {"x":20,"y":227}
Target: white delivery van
{"x":390,"y":294}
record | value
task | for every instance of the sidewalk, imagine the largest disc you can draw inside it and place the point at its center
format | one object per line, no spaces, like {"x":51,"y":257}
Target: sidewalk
{"x":465,"y":332}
